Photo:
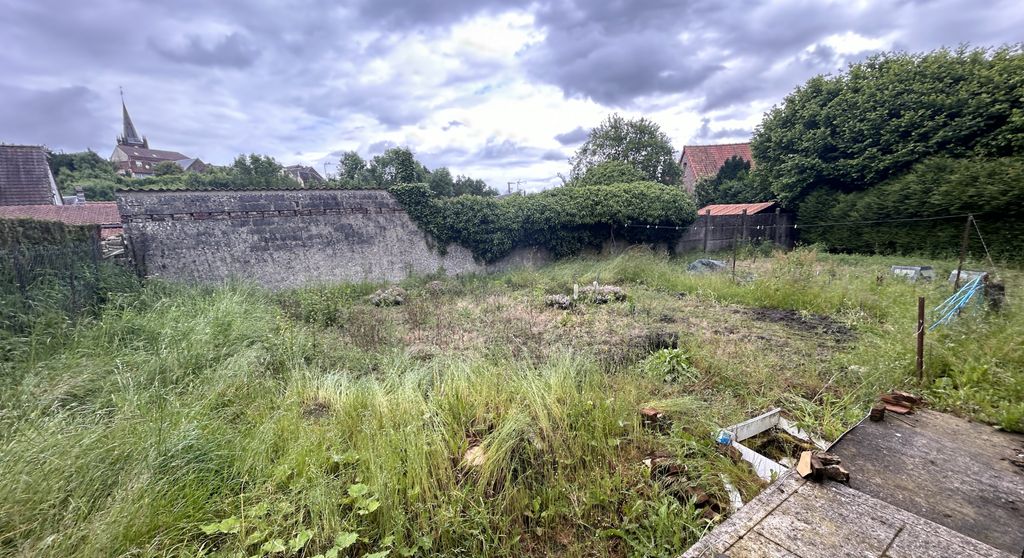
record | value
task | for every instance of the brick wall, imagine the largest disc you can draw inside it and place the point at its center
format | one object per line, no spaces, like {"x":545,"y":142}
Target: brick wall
{"x":286,"y":238}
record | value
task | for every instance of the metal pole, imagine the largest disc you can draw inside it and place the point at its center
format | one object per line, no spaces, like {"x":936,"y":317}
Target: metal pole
{"x":920,"y":339}
{"x":963,"y":251}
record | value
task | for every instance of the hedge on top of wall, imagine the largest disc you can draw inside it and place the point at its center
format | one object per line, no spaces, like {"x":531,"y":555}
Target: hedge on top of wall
{"x":565,"y":220}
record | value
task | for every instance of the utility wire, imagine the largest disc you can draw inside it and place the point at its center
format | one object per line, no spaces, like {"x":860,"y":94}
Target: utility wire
{"x":799,"y":226}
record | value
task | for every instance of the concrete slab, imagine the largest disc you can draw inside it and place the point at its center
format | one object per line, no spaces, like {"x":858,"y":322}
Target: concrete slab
{"x":945,"y":469}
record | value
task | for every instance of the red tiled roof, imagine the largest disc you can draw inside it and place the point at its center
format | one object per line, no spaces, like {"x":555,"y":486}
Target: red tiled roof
{"x":24,"y":175}
{"x":735,"y":208}
{"x":706,"y":160}
{"x":92,"y":213}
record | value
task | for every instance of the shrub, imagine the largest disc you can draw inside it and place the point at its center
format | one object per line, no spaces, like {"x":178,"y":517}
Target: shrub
{"x":988,"y":188}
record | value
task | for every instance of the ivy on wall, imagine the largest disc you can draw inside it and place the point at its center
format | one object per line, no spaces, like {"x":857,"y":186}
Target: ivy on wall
{"x":564,"y":220}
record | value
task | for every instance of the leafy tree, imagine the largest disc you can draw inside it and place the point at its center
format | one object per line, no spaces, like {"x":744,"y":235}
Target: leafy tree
{"x":351,"y":165}
{"x":610,"y":172}
{"x":165,"y":168}
{"x":441,"y":182}
{"x":640,"y":142}
{"x":876,"y":120}
{"x":466,"y":186}
{"x":397,"y":165}
{"x":734,"y":183}
{"x":259,"y":171}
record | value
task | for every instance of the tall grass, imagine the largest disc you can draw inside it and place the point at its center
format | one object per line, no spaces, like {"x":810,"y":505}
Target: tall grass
{"x":472,"y":421}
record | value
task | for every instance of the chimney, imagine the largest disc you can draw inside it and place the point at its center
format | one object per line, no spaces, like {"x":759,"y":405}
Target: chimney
{"x":79,"y":196}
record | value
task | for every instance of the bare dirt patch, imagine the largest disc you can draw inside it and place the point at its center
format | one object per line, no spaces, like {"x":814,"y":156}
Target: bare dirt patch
{"x":804,"y":322}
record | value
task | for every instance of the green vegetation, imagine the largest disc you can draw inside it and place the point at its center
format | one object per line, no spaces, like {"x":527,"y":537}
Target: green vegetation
{"x":565,"y":220}
{"x":857,"y":129}
{"x":938,"y":187}
{"x":639,"y":142}
{"x":183,"y":421}
{"x":733,"y":184}
{"x":398,"y":165}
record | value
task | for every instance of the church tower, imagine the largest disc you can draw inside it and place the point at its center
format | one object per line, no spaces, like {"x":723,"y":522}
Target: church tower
{"x":130,"y":136}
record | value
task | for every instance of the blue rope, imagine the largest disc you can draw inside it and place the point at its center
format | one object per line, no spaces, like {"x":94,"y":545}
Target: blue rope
{"x":954,"y":304}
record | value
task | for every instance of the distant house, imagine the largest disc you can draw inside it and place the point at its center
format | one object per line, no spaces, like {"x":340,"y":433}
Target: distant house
{"x":703,"y":161}
{"x":305,"y":175}
{"x":25,"y":177}
{"x":133,"y":157}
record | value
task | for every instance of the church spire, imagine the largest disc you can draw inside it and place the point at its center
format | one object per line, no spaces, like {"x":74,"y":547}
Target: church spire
{"x":129,"y":136}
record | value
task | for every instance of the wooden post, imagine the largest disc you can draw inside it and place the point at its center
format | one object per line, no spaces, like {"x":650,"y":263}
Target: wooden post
{"x":920,"y":339}
{"x":707,"y":229}
{"x":743,"y":220}
{"x":963,"y":251}
{"x":776,"y":229}
{"x":735,"y":236}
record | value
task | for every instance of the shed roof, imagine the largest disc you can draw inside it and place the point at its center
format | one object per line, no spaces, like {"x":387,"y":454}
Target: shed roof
{"x":706,"y":160}
{"x":91,"y":213}
{"x":24,"y":176}
{"x":735,"y":208}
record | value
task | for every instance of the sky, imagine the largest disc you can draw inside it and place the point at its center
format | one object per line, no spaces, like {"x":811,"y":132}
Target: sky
{"x":500,"y":90}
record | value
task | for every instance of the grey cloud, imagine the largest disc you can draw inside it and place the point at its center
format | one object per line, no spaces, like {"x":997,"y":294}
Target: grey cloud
{"x":378,"y":147}
{"x":64,"y":118}
{"x":452,"y":124}
{"x":233,"y":50}
{"x":706,"y":133}
{"x":573,"y":137}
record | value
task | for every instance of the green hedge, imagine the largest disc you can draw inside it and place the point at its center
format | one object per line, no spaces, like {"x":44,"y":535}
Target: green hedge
{"x":19,"y":232}
{"x":564,"y":220}
{"x":991,"y":189}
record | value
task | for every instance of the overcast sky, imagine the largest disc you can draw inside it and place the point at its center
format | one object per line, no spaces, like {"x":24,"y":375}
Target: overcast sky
{"x":501,"y":90}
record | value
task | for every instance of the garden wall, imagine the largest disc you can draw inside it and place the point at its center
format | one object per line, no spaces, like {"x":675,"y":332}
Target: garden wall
{"x":722,"y":229}
{"x":286,"y":238}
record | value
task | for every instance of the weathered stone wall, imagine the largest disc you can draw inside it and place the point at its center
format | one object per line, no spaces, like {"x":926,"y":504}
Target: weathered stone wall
{"x":286,"y":238}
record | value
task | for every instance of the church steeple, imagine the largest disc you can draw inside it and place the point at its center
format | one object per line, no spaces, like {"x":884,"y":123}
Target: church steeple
{"x":129,"y":136}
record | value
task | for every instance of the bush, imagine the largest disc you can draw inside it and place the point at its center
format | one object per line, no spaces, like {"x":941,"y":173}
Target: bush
{"x":988,"y":188}
{"x":565,"y":220}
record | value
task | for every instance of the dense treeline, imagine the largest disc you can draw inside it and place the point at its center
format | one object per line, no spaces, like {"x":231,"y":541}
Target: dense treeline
{"x":991,"y":189}
{"x":898,"y":136}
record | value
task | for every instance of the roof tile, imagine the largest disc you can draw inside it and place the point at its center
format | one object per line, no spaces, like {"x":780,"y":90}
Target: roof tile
{"x":24,"y":175}
{"x":706,"y":160}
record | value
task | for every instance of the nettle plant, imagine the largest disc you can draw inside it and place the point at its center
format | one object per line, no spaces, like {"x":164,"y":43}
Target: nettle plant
{"x":252,"y":533}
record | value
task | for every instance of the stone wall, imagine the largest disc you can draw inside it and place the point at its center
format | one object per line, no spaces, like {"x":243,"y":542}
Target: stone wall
{"x":286,"y":238}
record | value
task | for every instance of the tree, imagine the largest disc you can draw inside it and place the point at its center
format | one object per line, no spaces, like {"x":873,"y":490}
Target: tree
{"x":466,"y":186}
{"x":165,"y":168}
{"x":876,"y":120}
{"x":639,"y":142}
{"x":397,"y":165}
{"x":441,"y":182}
{"x":734,"y":183}
{"x":610,"y":172}
{"x":259,"y":171}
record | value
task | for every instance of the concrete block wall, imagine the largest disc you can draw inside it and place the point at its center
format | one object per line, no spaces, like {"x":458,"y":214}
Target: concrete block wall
{"x":287,"y":238}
